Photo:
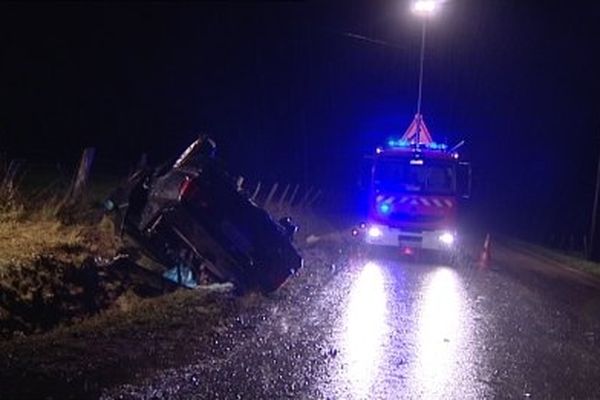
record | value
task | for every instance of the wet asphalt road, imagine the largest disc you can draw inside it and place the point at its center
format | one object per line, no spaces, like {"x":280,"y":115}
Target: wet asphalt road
{"x":371,"y":328}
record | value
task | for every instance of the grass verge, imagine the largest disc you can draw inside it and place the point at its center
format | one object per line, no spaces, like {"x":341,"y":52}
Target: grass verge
{"x":566,"y":260}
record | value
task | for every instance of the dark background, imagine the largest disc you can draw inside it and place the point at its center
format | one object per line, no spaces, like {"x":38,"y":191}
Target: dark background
{"x":290,"y":97}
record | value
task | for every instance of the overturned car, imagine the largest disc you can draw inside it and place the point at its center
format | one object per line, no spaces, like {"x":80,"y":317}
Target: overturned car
{"x":193,"y":221}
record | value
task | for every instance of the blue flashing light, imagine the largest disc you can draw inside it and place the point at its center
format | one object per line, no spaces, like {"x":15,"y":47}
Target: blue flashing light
{"x":437,"y":146}
{"x":385,"y":208}
{"x":403,"y":144}
{"x":398,"y":143}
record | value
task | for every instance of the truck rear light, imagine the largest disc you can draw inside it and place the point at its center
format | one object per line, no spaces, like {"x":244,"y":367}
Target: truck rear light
{"x":185,"y":187}
{"x":408,"y":251}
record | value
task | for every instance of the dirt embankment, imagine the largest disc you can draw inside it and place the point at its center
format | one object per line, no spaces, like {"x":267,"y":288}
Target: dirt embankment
{"x":53,"y":273}
{"x":130,"y":336}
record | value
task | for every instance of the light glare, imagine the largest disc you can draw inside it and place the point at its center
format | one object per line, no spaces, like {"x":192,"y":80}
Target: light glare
{"x":375,"y":232}
{"x":424,"y":7}
{"x":366,"y":329}
{"x":440,"y":333}
{"x":447,"y":238}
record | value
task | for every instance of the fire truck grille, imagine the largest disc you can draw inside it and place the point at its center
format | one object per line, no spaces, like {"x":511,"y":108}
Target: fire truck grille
{"x":407,"y":238}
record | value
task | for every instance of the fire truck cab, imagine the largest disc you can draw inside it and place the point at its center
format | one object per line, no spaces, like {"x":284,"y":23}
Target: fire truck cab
{"x":415,"y":187}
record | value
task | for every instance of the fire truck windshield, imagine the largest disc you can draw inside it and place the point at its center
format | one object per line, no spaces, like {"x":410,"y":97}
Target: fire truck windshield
{"x":401,"y":176}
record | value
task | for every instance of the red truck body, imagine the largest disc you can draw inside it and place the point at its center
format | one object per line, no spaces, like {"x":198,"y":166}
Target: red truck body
{"x":414,"y":193}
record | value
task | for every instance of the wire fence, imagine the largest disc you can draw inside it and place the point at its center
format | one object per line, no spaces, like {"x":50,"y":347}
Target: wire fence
{"x":277,"y":197}
{"x":283,"y":197}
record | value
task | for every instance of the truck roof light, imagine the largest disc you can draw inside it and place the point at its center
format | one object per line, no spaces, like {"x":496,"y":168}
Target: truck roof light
{"x":403,"y":144}
{"x":436,"y":146}
{"x":398,"y":143}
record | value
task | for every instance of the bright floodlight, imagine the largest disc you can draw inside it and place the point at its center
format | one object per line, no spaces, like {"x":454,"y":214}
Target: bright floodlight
{"x":375,"y":232}
{"x":425,"y":7}
{"x":447,"y":238}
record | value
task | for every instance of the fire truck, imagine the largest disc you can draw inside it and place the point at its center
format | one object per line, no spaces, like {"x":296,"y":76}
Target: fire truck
{"x":414,"y":192}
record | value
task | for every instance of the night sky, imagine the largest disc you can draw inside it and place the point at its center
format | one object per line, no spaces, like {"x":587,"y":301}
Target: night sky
{"x":289,"y":96}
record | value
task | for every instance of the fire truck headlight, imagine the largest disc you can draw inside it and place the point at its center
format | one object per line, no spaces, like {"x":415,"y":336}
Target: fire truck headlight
{"x":375,"y":232}
{"x":447,"y":238}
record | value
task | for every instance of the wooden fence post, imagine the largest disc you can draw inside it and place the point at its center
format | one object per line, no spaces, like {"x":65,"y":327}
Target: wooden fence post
{"x":314,"y":199}
{"x":305,"y":198}
{"x":271,"y":193}
{"x":81,"y":178}
{"x":293,"y":197}
{"x":256,"y":192}
{"x":239,"y":183}
{"x":283,"y":196}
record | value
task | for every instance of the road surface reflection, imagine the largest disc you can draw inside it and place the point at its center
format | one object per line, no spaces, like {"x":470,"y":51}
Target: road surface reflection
{"x":404,"y":332}
{"x":365,"y":329}
{"x":440,"y":335}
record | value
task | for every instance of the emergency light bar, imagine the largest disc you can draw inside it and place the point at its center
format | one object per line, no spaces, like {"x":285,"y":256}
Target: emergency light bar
{"x":403,"y":144}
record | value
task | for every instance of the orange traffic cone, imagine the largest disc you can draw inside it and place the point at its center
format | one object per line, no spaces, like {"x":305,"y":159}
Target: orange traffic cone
{"x":486,"y":254}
